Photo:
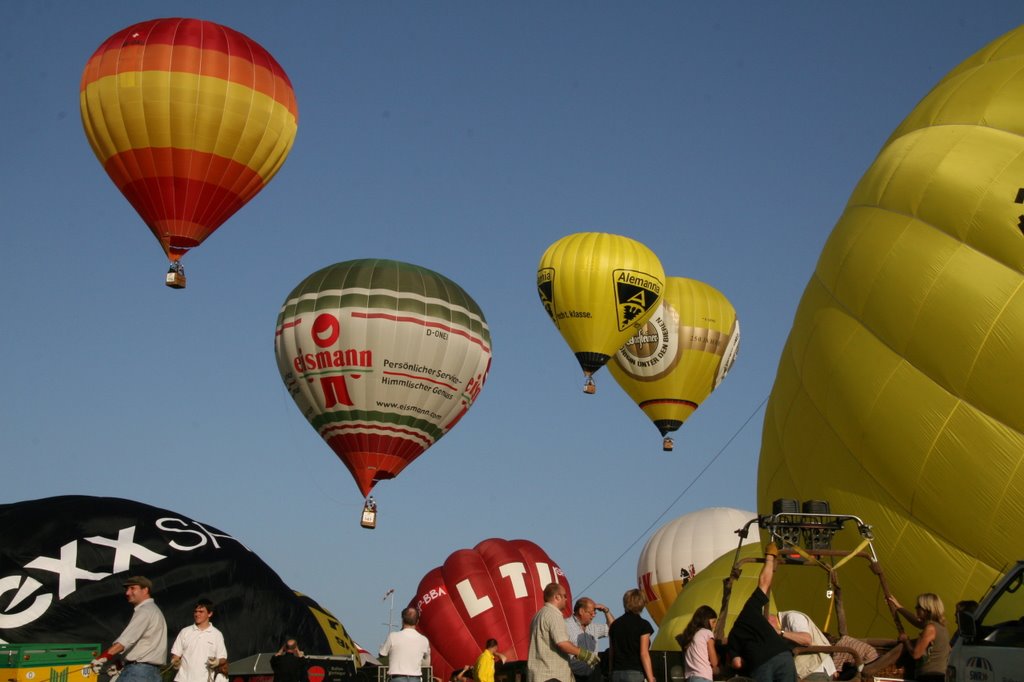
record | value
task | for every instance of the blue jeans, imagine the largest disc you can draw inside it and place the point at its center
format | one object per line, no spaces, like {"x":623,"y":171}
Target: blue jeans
{"x":627,"y":676}
{"x":778,"y":668}
{"x":697,"y":679}
{"x":139,"y":672}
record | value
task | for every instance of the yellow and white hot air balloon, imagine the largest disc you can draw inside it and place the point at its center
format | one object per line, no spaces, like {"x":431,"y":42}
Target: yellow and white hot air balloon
{"x":682,"y":548}
{"x":681,"y":355}
{"x":598,"y":289}
{"x":898,"y":395}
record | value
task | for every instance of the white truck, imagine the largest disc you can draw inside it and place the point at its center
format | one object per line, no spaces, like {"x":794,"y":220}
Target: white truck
{"x":989,"y":646}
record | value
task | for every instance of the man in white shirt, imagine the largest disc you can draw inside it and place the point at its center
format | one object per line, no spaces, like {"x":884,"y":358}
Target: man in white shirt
{"x":407,"y":650}
{"x":198,"y":651}
{"x":797,"y":627}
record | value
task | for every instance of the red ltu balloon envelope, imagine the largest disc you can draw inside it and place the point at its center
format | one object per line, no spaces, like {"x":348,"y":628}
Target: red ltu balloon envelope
{"x":492,"y":590}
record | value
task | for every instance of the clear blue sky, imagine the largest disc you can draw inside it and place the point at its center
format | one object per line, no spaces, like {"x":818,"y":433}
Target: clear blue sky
{"x":464,"y":137}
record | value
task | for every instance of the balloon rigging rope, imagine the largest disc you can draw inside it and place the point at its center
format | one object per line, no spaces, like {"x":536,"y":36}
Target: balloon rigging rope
{"x":678,"y":497}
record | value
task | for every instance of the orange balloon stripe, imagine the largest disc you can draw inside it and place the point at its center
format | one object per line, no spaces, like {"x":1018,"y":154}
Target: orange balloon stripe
{"x":202,"y":62}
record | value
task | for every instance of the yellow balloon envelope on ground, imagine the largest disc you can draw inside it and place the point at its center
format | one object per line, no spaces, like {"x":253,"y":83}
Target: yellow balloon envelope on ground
{"x":899,"y":392}
{"x":707,"y":589}
{"x":683,"y":352}
{"x":599,"y":289}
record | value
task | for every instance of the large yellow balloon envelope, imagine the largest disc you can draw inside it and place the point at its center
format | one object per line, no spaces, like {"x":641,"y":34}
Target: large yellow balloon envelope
{"x":683,"y":352}
{"x":683,"y":548}
{"x":190,"y":119}
{"x":599,"y":289}
{"x":899,"y":391}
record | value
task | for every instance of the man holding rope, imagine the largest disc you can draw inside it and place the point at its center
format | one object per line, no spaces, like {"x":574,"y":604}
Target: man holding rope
{"x":144,"y":640}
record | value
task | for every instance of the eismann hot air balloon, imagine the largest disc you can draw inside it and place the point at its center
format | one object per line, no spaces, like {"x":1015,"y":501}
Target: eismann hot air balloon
{"x":190,"y":119}
{"x":682,"y":548}
{"x":598,"y":289}
{"x":492,"y":590}
{"x":899,"y":391}
{"x":670,"y":365}
{"x":383,"y":358}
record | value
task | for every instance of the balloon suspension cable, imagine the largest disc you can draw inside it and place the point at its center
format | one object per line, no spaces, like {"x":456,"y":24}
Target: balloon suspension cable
{"x":589,"y":387}
{"x":685,"y":490}
{"x":667,"y":444}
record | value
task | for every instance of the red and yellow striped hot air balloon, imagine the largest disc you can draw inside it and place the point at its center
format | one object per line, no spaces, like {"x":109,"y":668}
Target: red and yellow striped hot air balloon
{"x":191,"y":120}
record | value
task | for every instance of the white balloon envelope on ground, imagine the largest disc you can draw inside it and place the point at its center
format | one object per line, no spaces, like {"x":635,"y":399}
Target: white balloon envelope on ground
{"x":682,"y":548}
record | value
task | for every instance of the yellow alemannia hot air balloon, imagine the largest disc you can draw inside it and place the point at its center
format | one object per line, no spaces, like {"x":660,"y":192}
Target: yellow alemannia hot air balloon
{"x":899,"y":391}
{"x":683,"y":352}
{"x":190,"y":119}
{"x":599,"y":289}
